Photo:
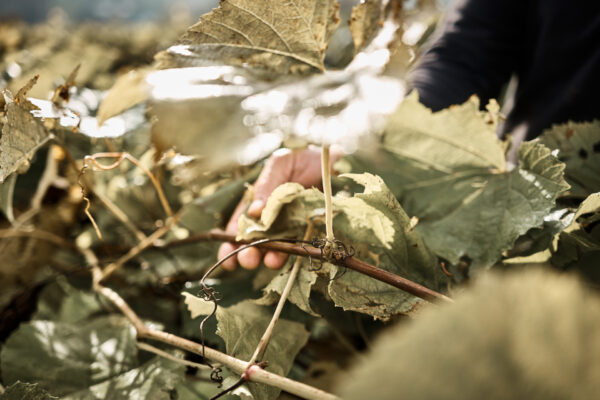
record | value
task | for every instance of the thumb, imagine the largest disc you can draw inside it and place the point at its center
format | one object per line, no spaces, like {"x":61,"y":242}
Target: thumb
{"x":277,"y":171}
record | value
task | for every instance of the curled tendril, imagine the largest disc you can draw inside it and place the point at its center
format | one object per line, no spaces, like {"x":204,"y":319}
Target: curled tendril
{"x":334,"y":252}
{"x":215,"y":375}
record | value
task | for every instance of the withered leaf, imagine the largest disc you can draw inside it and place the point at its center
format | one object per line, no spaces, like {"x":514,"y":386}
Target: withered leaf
{"x":283,"y":37}
{"x":22,"y":136}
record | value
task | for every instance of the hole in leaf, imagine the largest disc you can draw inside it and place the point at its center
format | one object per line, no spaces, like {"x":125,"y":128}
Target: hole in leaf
{"x":583,"y":153}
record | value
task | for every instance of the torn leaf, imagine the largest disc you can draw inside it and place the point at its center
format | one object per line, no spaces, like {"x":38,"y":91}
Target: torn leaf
{"x":22,"y":135}
{"x":578,"y":146}
{"x":197,"y":306}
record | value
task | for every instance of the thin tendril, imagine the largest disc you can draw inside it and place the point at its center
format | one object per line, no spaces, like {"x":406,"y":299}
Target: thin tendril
{"x":210,"y":294}
{"x":87,"y":202}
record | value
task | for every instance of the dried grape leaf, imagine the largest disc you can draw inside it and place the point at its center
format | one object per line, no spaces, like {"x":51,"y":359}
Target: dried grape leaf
{"x":25,"y":391}
{"x":578,"y":146}
{"x":364,"y":22}
{"x":527,"y":334}
{"x":69,"y":357}
{"x":282,"y":37}
{"x":241,"y":326}
{"x":129,"y":90}
{"x":484,"y":208}
{"x":22,"y":136}
{"x":374,"y":224}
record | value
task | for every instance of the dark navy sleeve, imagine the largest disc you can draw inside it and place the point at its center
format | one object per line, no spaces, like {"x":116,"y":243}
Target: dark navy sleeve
{"x":475,"y":52}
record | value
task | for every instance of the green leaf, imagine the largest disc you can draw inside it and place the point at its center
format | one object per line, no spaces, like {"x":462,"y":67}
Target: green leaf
{"x":300,"y":292}
{"x":64,"y":358}
{"x":455,"y":139}
{"x":241,"y":327}
{"x":155,"y":380}
{"x":451,"y":174}
{"x":22,"y":136}
{"x":25,"y":391}
{"x":381,"y":232}
{"x":578,"y":146}
{"x":61,"y":302}
{"x":283,"y":37}
{"x":7,"y":189}
{"x":522,"y":335}
{"x":374,"y":224}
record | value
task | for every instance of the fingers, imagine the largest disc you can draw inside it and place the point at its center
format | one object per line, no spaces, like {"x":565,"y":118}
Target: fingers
{"x":224,"y":250}
{"x":275,"y":259}
{"x":250,"y":258}
{"x":278,"y":170}
{"x":302,"y":166}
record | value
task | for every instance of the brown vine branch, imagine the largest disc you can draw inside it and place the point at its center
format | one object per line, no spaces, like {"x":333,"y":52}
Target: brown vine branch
{"x":349,"y":262}
{"x":236,"y":365}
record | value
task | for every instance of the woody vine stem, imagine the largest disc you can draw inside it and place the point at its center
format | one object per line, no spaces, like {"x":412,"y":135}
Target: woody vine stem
{"x":326,"y":176}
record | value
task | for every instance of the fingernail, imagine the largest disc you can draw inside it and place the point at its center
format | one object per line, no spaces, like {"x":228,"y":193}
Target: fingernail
{"x":256,"y":208}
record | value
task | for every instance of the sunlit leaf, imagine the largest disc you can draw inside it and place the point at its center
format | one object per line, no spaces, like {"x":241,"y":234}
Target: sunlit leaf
{"x":155,"y":380}
{"x":522,"y":335}
{"x":228,"y":113}
{"x":451,"y":174}
{"x":578,"y":146}
{"x":64,"y":358}
{"x":283,"y":37}
{"x":241,"y":327}
{"x":129,"y":90}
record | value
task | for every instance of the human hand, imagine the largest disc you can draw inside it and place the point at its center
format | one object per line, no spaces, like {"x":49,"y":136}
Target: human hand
{"x":301,"y":166}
